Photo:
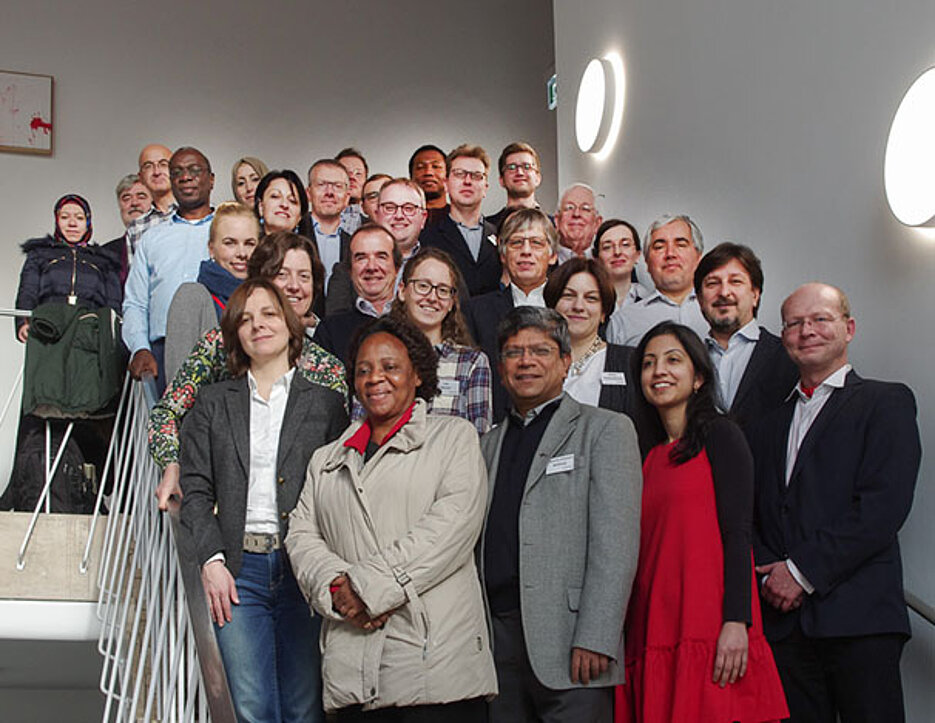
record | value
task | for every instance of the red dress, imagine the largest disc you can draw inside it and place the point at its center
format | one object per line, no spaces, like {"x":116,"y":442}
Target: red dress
{"x":675,"y":612}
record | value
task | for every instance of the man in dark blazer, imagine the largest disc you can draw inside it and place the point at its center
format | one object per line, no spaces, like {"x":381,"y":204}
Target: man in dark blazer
{"x":528,"y":247}
{"x":755,"y":375}
{"x":561,"y":539}
{"x":836,"y":467}
{"x":373,"y":266}
{"x":462,"y":233}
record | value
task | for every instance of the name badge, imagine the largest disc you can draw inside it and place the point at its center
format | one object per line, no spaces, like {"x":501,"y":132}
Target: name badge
{"x":614,"y":379}
{"x":449,"y":387}
{"x":562,"y":463}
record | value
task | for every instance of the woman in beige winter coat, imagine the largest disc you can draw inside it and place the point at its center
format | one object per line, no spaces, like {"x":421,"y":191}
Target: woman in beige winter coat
{"x":382,"y":542}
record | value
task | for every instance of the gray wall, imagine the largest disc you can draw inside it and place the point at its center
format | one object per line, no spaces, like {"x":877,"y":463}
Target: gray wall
{"x":767,"y":123}
{"x":289,"y":82}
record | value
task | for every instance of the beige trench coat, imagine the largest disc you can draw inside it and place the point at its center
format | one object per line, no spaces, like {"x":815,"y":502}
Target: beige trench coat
{"x":402,"y":527}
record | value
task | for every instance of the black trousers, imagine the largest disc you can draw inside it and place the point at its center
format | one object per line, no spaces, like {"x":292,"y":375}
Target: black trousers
{"x":523,"y":699}
{"x":462,"y":711}
{"x":856,"y":678}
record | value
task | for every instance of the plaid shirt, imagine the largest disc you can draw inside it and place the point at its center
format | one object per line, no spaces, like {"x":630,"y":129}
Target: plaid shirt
{"x":139,"y":226}
{"x":463,"y":387}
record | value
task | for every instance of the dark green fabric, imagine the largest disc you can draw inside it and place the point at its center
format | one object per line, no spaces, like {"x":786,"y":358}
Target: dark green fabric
{"x":74,"y":361}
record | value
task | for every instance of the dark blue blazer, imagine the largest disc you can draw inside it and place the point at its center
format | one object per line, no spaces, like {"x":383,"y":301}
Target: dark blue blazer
{"x":766,"y":382}
{"x":483,"y":315}
{"x":481,"y":276}
{"x":849,"y":493}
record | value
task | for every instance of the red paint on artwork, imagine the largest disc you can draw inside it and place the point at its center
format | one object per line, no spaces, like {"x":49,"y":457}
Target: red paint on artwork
{"x":37,"y":124}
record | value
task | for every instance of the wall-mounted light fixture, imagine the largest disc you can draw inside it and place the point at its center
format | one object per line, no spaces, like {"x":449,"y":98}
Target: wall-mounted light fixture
{"x":599,"y":110}
{"x":909,"y":161}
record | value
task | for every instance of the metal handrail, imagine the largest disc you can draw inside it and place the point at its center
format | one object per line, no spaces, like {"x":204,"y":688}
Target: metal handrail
{"x":923,"y":609}
{"x":209,"y":654}
{"x":161,"y":660}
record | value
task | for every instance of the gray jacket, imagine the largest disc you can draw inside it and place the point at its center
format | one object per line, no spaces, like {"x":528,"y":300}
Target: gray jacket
{"x":579,"y":538}
{"x":191,"y":314}
{"x":215,"y":459}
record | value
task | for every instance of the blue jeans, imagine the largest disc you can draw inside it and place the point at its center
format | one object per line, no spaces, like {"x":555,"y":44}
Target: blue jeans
{"x":270,"y":647}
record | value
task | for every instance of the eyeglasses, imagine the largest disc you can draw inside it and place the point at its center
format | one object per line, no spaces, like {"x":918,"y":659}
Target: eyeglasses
{"x":339,"y":186}
{"x":150,"y":165}
{"x":620,"y":246}
{"x":514,"y":167}
{"x":423,"y":287}
{"x":821,"y":321}
{"x":516,"y":352}
{"x":409,"y":209}
{"x":193,"y":171}
{"x":535,"y":242}
{"x":585,"y":209}
{"x":461,"y":174}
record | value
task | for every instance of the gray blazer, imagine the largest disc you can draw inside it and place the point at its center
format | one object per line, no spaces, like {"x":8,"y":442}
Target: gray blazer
{"x":215,"y":459}
{"x":579,"y":539}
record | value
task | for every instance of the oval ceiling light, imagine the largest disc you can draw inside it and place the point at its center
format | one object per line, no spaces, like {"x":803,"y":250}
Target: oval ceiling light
{"x":599,"y":109}
{"x":909,"y":161}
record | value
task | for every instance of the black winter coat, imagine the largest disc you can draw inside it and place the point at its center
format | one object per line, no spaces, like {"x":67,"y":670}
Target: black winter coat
{"x":53,"y":271}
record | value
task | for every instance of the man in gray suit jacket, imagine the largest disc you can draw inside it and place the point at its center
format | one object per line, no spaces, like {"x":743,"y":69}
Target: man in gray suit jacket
{"x":561,"y":538}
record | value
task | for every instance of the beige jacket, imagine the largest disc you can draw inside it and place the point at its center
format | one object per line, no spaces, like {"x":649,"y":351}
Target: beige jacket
{"x":403,"y":528}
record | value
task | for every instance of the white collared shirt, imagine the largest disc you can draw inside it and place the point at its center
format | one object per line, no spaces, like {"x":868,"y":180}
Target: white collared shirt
{"x":731,"y":362}
{"x":266,"y":418}
{"x":534,"y":298}
{"x":585,"y":386}
{"x":805,"y":414}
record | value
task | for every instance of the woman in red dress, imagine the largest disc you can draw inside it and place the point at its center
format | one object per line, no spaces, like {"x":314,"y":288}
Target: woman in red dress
{"x":695,"y":649}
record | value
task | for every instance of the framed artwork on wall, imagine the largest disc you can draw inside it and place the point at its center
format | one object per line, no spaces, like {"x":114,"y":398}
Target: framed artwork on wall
{"x":26,"y":113}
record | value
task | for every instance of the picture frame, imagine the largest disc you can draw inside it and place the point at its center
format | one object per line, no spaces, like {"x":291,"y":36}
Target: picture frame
{"x":26,"y":113}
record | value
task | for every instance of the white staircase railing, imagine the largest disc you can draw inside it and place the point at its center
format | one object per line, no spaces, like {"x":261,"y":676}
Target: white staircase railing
{"x":151,"y":669}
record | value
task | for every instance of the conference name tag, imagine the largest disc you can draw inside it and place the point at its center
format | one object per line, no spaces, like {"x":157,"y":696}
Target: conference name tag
{"x":562,"y":463}
{"x":613,"y":379}
{"x":449,"y":387}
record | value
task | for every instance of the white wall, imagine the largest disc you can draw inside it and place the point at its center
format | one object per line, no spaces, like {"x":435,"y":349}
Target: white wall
{"x":766,"y":122}
{"x":289,"y":82}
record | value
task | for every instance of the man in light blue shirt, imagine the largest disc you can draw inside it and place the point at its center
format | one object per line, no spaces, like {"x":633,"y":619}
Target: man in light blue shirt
{"x":673,"y":249}
{"x":755,"y":374}
{"x":168,"y":255}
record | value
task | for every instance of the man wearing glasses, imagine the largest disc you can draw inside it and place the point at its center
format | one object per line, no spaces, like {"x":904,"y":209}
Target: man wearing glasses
{"x":561,"y":539}
{"x":835,"y":469}
{"x":577,"y":221}
{"x":463,"y":233}
{"x":520,"y":175}
{"x":154,"y":174}
{"x":400,"y":209}
{"x":329,"y":189}
{"x":168,"y":255}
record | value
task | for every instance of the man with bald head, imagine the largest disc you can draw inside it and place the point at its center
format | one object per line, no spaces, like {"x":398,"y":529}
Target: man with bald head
{"x":577,"y":221}
{"x":168,"y":255}
{"x":154,"y":174}
{"x":835,"y":470}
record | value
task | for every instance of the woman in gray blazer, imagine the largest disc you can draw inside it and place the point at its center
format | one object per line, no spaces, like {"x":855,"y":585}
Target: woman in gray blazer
{"x":244,"y":449}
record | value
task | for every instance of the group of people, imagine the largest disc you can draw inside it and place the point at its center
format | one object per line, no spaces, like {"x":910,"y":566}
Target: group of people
{"x":438,"y":463}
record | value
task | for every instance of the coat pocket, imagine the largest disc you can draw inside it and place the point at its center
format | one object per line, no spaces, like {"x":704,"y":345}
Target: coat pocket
{"x":574,"y":598}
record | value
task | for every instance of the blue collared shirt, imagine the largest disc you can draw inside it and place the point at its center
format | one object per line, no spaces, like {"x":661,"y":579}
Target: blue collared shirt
{"x":329,"y":248}
{"x":473,"y":236}
{"x":731,"y":362}
{"x":629,"y":323}
{"x":167,"y":256}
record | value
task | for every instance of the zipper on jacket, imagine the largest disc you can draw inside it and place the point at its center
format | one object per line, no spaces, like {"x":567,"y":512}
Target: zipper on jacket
{"x":72,"y":297}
